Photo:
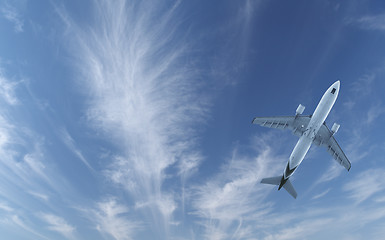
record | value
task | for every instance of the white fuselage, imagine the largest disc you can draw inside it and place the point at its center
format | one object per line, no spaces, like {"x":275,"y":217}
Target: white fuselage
{"x":318,"y":118}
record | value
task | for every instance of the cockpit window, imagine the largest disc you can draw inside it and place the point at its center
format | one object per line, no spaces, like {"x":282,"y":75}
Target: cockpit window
{"x":333,"y":90}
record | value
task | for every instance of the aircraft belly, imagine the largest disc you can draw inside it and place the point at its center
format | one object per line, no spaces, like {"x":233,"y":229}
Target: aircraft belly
{"x":303,"y":145}
{"x":299,"y":151}
{"x":321,"y":112}
{"x":306,"y":127}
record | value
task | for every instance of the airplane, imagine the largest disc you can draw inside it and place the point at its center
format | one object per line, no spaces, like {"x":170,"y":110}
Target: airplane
{"x":310,"y":129}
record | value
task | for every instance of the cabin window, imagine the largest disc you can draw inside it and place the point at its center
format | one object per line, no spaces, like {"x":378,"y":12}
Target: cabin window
{"x":333,"y":90}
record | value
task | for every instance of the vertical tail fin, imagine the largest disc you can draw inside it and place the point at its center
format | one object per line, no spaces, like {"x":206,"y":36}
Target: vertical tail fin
{"x":290,"y":189}
{"x":277,"y":181}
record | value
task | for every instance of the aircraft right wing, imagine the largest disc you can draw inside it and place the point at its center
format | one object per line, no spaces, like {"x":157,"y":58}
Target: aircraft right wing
{"x":297,"y":123}
{"x":325,"y":138}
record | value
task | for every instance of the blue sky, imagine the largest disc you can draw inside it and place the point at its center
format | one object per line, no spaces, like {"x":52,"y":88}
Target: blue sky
{"x":132,"y":119}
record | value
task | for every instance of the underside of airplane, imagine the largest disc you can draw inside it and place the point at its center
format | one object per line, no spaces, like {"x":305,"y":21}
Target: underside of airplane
{"x":311,"y":129}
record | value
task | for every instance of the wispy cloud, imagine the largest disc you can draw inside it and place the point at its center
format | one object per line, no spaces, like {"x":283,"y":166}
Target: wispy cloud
{"x":39,"y":195}
{"x":363,"y":85}
{"x":24,"y":167}
{"x":333,"y":172}
{"x":340,"y":218}
{"x":380,"y":199}
{"x":7,"y":89}
{"x":301,"y":230}
{"x":110,"y":217}
{"x":236,"y":43}
{"x":11,"y":14}
{"x":356,"y":149}
{"x":142,"y":95}
{"x":20,"y":148}
{"x":374,"y":112}
{"x":321,"y":194}
{"x":360,"y":88}
{"x":232,"y":203}
{"x":5,"y":207}
{"x":16,"y":219}
{"x":69,"y":141}
{"x":372,"y":22}
{"x":366,"y":184}
{"x":58,"y":224}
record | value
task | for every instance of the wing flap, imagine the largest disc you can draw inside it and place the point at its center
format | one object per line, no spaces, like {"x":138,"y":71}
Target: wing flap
{"x":273,"y":122}
{"x":325,"y":138}
{"x":335,"y":150}
{"x":297,"y":124}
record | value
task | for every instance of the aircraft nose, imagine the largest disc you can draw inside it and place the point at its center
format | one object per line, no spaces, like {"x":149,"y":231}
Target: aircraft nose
{"x":334,"y":88}
{"x":337,"y":84}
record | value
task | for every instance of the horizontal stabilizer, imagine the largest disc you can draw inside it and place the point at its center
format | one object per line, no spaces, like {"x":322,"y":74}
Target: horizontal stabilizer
{"x":272,"y":180}
{"x":290,"y":189}
{"x":277,"y":181}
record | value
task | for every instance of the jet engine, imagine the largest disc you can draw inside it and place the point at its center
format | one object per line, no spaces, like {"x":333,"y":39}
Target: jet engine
{"x":300,"y":109}
{"x":335,"y":128}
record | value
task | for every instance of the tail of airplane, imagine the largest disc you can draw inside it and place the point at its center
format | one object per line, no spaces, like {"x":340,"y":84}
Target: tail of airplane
{"x":281,"y":182}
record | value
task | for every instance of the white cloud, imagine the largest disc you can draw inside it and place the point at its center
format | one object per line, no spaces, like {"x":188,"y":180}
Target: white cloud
{"x":302,"y":230}
{"x":235,"y":44}
{"x":331,"y":173}
{"x":39,"y":195}
{"x":35,"y":164}
{"x":7,"y":89}
{"x":142,"y":95}
{"x":58,"y":224}
{"x":110,"y":218}
{"x":120,"y":173}
{"x":356,"y":149}
{"x":380,"y":199}
{"x":366,"y":184}
{"x":363,"y":86}
{"x":11,"y":14}
{"x":373,"y":22}
{"x":5,"y":207}
{"x":69,"y":141}
{"x":329,"y":220}
{"x":374,"y":112}
{"x":16,"y":219}
{"x":233,"y":202}
{"x":24,"y":167}
{"x":233,"y":205}
{"x":321,"y":194}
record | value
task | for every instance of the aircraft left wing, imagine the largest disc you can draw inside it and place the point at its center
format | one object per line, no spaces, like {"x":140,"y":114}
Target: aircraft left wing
{"x":325,"y":138}
{"x":297,"y":123}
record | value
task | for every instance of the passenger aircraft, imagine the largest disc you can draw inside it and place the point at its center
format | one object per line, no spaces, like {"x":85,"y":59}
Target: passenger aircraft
{"x":309,"y":129}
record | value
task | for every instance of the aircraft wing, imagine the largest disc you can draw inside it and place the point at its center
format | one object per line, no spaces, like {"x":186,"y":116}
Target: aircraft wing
{"x":325,"y":138}
{"x":297,"y":123}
